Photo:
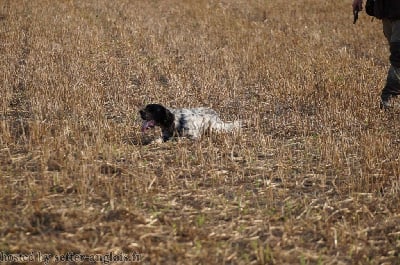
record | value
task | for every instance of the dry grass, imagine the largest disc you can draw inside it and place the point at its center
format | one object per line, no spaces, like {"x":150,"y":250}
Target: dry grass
{"x":312,"y":179}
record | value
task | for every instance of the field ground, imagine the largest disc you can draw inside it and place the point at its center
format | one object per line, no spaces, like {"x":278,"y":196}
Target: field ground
{"x":313,"y":177}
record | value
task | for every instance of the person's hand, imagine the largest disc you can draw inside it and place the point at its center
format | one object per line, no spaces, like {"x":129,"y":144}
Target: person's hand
{"x":357,"y":5}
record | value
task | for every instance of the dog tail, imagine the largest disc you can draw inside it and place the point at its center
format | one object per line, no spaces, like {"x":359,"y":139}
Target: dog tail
{"x":231,"y":126}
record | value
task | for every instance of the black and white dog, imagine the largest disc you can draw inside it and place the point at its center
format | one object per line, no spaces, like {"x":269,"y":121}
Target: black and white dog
{"x":191,"y":123}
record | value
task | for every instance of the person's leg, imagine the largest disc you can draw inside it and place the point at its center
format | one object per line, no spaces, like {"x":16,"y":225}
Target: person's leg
{"x":387,"y":28}
{"x":395,"y":45}
{"x":391,"y":29}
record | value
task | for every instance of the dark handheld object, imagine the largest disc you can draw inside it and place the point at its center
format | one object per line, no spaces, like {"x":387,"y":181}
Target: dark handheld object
{"x":355,"y":14}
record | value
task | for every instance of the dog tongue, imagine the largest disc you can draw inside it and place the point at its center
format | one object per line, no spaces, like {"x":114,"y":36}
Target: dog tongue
{"x":147,"y":125}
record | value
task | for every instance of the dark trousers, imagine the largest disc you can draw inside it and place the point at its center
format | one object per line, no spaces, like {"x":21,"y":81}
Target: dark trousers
{"x":391,"y":29}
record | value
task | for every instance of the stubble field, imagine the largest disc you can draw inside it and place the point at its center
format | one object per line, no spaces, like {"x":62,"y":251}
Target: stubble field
{"x":312,"y":178}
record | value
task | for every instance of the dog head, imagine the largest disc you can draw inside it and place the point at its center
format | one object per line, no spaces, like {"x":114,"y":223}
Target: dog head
{"x":156,"y":115}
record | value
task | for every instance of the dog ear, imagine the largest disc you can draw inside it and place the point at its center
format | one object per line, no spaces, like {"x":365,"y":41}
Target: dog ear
{"x":169,"y":118}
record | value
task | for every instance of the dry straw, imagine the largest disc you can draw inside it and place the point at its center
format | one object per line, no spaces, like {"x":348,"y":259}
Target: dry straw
{"x":313,"y":178}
